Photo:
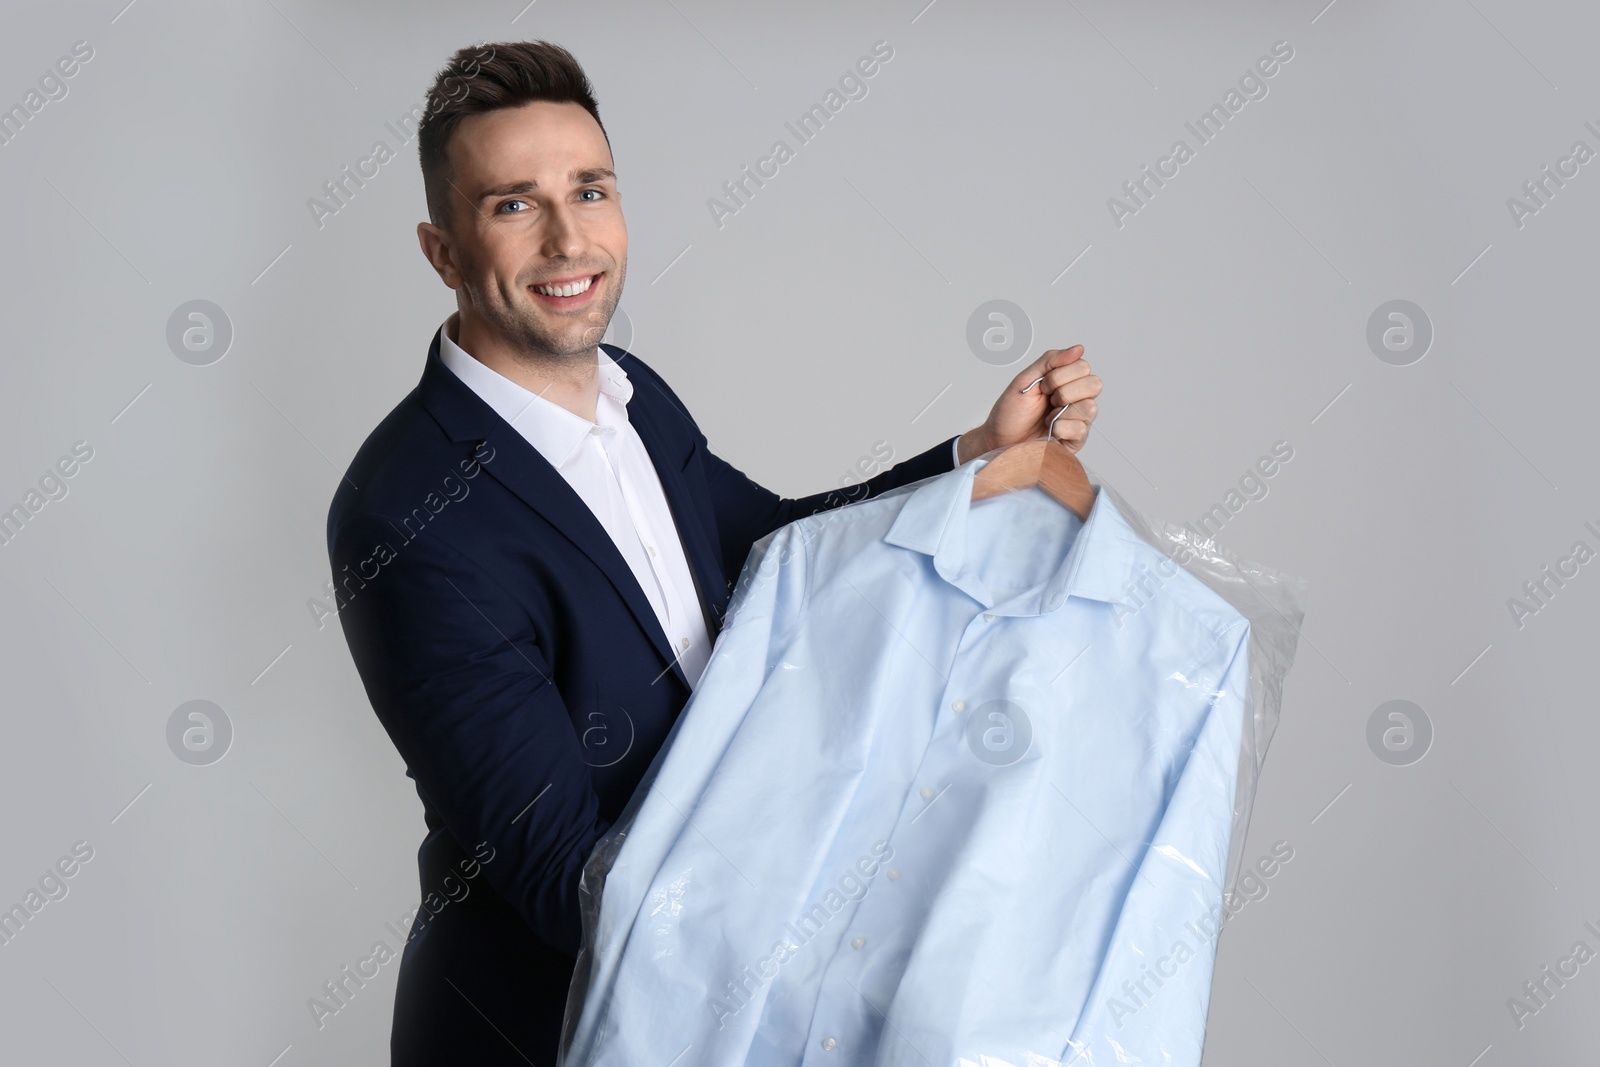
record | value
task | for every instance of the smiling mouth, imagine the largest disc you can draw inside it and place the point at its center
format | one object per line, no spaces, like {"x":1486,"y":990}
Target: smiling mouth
{"x":567,"y":293}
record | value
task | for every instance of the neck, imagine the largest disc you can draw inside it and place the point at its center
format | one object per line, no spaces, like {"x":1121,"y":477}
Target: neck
{"x":571,"y":382}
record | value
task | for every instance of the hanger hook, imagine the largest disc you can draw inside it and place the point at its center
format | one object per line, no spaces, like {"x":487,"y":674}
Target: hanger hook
{"x":1050,"y":430}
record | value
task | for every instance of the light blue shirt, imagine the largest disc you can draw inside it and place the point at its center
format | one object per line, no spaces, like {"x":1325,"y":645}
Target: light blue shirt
{"x":955,"y":788}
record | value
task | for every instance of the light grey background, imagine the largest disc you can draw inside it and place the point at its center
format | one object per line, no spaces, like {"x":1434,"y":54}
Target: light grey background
{"x":829,"y":314}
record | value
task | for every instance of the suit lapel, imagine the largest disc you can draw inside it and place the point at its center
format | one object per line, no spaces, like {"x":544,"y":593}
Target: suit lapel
{"x":520,"y":468}
{"x":655,"y":417}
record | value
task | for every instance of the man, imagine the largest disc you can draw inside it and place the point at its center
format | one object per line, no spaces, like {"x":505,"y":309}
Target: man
{"x":534,"y":549}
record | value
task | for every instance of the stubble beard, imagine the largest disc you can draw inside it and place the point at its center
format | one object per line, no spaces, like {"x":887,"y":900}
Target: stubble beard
{"x":513,"y":318}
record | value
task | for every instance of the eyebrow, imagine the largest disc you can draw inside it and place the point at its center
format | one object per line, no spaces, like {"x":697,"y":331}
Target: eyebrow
{"x":582,"y":176}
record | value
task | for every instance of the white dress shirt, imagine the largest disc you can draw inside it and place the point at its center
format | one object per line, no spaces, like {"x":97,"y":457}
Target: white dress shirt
{"x":608,"y":466}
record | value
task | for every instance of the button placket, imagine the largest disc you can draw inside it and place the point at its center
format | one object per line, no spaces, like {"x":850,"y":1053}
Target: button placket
{"x":838,"y":1013}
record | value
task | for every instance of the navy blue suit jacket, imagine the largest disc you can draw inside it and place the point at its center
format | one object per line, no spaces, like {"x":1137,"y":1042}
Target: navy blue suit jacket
{"x":519,"y":670}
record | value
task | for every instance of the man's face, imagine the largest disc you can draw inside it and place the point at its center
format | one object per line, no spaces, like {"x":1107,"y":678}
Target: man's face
{"x":535,"y":214}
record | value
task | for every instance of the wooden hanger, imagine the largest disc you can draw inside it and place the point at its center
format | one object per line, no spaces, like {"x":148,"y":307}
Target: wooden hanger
{"x":1044,"y":462}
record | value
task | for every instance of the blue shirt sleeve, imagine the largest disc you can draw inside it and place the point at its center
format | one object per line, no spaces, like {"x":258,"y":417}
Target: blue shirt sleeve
{"x":1148,"y":1003}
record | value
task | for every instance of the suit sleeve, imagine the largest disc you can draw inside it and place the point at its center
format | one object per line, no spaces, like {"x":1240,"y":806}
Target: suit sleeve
{"x":453,"y":668}
{"x":747,"y":512}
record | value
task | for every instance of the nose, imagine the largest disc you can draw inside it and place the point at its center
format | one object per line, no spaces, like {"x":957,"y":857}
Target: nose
{"x":563,"y":234}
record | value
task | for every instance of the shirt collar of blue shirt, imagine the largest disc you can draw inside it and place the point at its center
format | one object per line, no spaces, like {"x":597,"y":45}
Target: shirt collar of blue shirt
{"x":1100,"y":564}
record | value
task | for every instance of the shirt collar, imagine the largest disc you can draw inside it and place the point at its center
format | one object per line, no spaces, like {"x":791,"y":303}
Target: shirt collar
{"x":1099,"y":565}
{"x":549,"y":427}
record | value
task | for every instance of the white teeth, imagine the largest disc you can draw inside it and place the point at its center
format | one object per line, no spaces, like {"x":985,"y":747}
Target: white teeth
{"x":570,"y":289}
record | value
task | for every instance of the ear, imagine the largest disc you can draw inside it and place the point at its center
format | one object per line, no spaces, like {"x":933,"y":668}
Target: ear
{"x":438,"y":251}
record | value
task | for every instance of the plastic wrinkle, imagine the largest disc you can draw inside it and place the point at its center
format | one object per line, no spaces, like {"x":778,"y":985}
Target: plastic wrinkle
{"x":1190,"y":684}
{"x":1174,"y":854}
{"x":666,"y":909}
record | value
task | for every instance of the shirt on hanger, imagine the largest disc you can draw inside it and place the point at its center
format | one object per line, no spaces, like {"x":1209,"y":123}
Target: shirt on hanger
{"x":957,"y":787}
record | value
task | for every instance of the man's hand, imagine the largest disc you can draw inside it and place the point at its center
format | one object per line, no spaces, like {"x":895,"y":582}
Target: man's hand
{"x":1018,"y":416}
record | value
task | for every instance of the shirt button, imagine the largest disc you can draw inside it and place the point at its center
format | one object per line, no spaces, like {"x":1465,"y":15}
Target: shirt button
{"x":958,"y":705}
{"x":683,"y":643}
{"x":857,"y":942}
{"x":988,"y":617}
{"x":927,"y":794}
{"x":829,"y":1044}
{"x":650,"y":549}
{"x":893,"y":873}
{"x":594,"y":431}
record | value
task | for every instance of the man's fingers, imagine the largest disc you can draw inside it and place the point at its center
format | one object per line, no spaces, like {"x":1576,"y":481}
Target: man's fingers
{"x":1083,"y":412}
{"x":1067,"y":382}
{"x":1071,"y":432}
{"x":1048,"y":362}
{"x":1086,"y":408}
{"x":1078,"y":391}
{"x":1070,"y":383}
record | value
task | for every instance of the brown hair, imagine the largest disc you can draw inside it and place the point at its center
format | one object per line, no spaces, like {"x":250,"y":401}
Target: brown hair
{"x":487,"y":77}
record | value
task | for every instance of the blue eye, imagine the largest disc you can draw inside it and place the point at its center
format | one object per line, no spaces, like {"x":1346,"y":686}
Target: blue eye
{"x":508,"y":203}
{"x":596,"y":192}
